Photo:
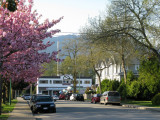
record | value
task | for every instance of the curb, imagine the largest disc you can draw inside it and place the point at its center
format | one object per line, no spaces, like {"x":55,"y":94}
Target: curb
{"x":141,"y":107}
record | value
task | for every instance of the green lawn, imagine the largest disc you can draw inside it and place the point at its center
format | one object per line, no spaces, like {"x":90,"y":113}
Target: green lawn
{"x":143,"y":103}
{"x":6,"y":108}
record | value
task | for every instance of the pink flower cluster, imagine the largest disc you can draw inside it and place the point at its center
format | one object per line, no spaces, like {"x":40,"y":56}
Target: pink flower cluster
{"x":21,"y":39}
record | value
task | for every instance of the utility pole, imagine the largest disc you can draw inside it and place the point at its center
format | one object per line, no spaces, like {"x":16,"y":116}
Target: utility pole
{"x":58,"y":58}
{"x":79,"y":81}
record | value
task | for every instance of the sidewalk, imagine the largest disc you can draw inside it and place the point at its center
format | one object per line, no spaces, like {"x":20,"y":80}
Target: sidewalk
{"x":21,"y":111}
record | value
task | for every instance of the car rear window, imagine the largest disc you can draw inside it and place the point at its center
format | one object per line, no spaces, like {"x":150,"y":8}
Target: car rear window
{"x":113,"y":94}
{"x":44,"y":98}
{"x":99,"y":95}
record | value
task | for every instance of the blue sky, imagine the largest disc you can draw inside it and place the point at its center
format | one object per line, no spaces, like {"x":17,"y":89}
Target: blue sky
{"x":75,"y":12}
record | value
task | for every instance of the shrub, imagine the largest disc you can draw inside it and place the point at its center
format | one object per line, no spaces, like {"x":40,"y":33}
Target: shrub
{"x":89,"y":91}
{"x":156,"y":99}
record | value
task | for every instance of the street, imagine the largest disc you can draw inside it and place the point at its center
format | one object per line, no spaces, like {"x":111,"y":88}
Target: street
{"x":74,"y":110}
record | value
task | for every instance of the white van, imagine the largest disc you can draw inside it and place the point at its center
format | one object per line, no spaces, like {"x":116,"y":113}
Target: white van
{"x":112,"y":97}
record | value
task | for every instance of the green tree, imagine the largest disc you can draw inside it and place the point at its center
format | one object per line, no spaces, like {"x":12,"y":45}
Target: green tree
{"x":149,"y":74}
{"x":12,"y":5}
{"x":133,"y":85}
{"x":142,"y":25}
{"x":73,"y":63}
{"x":50,"y":69}
{"x":109,"y":85}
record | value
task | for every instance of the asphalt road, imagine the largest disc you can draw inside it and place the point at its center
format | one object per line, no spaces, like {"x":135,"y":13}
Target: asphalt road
{"x":73,"y":110}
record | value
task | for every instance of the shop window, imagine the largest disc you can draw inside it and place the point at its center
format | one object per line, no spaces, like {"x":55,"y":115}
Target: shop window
{"x":57,"y":82}
{"x":87,"y":82}
{"x":43,"y":82}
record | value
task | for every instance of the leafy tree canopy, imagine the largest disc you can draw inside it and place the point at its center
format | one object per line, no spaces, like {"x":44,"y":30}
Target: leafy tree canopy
{"x":149,"y":74}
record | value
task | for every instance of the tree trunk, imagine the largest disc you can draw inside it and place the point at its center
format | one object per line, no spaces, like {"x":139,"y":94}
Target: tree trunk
{"x":74,"y":82}
{"x":99,"y":80}
{"x":124,"y":70}
{"x":125,"y":76}
{"x":100,"y":88}
{"x":1,"y":81}
{"x":4,"y":93}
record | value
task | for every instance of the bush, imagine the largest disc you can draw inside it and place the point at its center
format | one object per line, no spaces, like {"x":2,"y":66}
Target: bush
{"x":156,"y":99}
{"x":89,"y":91}
{"x":133,"y":89}
{"x":122,"y":89}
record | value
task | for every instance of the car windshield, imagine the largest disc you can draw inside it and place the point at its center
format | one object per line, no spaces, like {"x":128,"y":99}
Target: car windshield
{"x":44,"y":98}
{"x":113,"y":94}
{"x":79,"y":95}
{"x":98,"y":95}
{"x":26,"y":95}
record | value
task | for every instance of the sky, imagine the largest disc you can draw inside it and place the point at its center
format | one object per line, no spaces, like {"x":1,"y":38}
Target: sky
{"x":75,"y":12}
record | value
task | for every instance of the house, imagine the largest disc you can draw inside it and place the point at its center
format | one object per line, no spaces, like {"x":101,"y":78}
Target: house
{"x":114,"y":71}
{"x":50,"y":85}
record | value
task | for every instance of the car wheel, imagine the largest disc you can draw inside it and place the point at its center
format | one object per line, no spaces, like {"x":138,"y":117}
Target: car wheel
{"x":118,"y":104}
{"x":54,"y":111}
{"x":34,"y":111}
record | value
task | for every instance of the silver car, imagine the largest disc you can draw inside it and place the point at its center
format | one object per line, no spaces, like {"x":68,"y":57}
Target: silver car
{"x":27,"y":97}
{"x":55,"y":97}
{"x":112,"y":97}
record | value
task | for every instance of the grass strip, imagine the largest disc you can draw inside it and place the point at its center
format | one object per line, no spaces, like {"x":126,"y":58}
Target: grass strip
{"x":141,"y":103}
{"x":6,"y":109}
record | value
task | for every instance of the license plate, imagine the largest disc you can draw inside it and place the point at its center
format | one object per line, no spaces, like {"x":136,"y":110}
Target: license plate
{"x":45,"y":108}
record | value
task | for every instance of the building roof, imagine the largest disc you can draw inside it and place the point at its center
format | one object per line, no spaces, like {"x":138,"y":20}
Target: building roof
{"x":60,"y":76}
{"x":49,"y":77}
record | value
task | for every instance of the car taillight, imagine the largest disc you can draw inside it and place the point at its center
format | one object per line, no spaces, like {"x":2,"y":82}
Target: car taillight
{"x":106,"y":98}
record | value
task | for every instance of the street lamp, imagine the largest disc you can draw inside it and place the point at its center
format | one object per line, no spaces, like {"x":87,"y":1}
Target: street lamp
{"x":31,"y":89}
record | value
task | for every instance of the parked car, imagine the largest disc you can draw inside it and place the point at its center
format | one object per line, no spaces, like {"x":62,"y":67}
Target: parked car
{"x":62,"y":97}
{"x":112,"y":97}
{"x":95,"y":98}
{"x":22,"y":96}
{"x":40,"y":103}
{"x":67,"y":96}
{"x":80,"y":97}
{"x":73,"y":97}
{"x":55,"y":97}
{"x":27,"y":97}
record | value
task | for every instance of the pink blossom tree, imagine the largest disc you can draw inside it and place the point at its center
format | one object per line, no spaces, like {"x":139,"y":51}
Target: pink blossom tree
{"x":21,"y":39}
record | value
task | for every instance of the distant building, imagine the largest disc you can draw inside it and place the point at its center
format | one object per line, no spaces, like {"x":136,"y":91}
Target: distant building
{"x":55,"y":84}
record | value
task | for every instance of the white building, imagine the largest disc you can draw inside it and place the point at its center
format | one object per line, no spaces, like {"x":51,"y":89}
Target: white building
{"x":54,"y":84}
{"x":115,"y":72}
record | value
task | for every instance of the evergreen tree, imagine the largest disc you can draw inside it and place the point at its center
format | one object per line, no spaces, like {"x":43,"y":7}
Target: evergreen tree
{"x":12,"y":5}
